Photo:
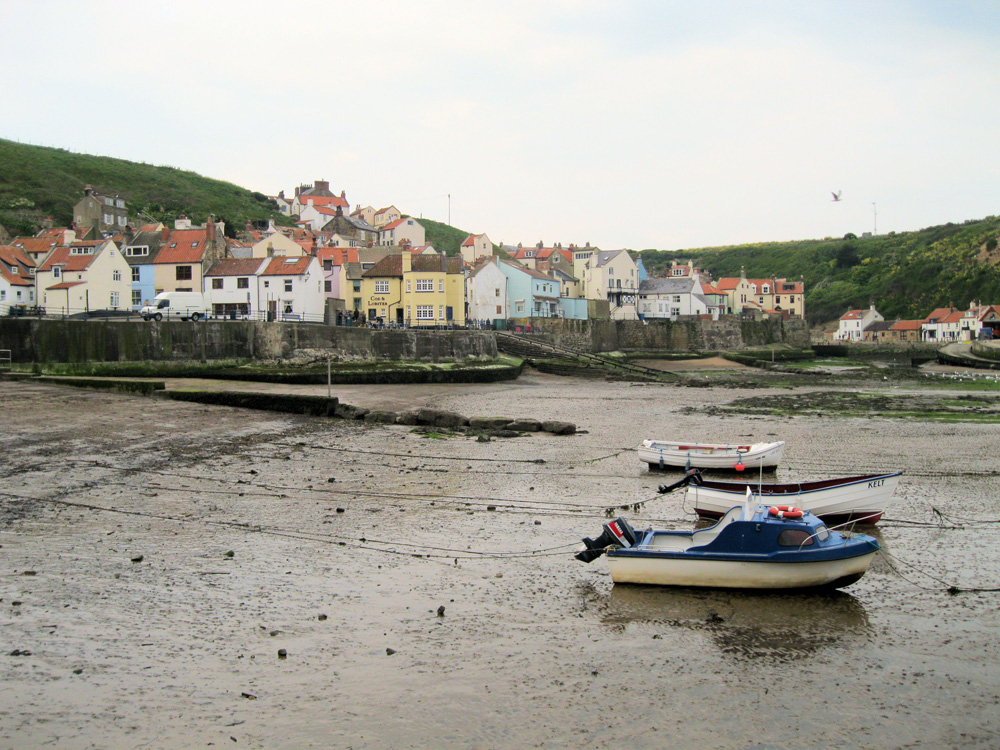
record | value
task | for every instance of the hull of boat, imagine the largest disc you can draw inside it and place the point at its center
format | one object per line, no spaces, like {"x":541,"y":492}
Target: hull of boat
{"x":659,"y":571}
{"x":660,"y":454}
{"x":852,"y":499}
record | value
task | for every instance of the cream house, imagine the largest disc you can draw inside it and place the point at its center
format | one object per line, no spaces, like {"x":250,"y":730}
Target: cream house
{"x":84,"y":276}
{"x":474,"y":247}
{"x":610,"y":275}
{"x":404,"y":231}
{"x":17,"y":287}
{"x":385,"y":216}
{"x":276,"y":245}
{"x":852,"y":324}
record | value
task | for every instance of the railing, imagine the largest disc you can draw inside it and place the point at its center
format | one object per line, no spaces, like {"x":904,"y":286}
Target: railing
{"x":5,"y":357}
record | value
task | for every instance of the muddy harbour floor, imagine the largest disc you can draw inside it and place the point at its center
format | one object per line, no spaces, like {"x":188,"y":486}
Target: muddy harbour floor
{"x":180,"y":576}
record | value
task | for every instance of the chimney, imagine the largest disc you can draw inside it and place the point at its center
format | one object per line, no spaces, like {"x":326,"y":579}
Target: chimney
{"x":343,"y":195}
{"x":587,"y":245}
{"x":319,"y":185}
{"x":164,"y":233}
{"x":87,"y":191}
{"x":407,"y":262}
{"x":210,"y":228}
{"x":539,"y":245}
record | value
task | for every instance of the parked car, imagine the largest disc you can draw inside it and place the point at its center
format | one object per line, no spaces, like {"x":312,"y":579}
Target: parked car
{"x":183,"y":305}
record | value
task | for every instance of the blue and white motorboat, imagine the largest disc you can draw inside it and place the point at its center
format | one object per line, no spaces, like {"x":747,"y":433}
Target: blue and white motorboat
{"x":752,"y":547}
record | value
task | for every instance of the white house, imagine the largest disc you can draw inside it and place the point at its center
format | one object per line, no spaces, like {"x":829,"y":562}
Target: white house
{"x":853,"y":323}
{"x":292,"y":289}
{"x":609,"y":275}
{"x":486,"y":293}
{"x":17,"y":287}
{"x":231,"y":288}
{"x":672,"y":297}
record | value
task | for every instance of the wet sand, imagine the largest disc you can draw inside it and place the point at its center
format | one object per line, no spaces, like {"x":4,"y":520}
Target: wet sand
{"x":346,"y":539}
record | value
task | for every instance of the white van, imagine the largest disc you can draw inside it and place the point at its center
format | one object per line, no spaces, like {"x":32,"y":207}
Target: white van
{"x":181,"y":305}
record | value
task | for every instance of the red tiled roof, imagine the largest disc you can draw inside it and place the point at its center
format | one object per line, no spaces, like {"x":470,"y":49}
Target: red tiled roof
{"x":64,"y":285}
{"x":34,"y":244}
{"x":10,"y":278}
{"x":287,"y":266}
{"x":339,"y":255}
{"x":183,"y":246}
{"x":939,"y":314}
{"x":954,"y":317}
{"x":323,"y":200}
{"x":854,"y":314}
{"x":63,"y":256}
{"x":11,"y":255}
{"x":393,"y":225}
{"x":727,"y":284}
{"x":235,"y":267}
{"x":709,"y":289}
{"x":906,"y":325}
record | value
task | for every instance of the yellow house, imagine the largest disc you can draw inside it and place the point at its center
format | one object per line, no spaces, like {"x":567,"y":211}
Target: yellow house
{"x":415,"y":290}
{"x":277,"y":245}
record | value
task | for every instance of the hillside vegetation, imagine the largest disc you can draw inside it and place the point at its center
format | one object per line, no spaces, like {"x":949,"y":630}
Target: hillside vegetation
{"x":905,"y":274}
{"x":37,"y":181}
{"x":444,"y":237}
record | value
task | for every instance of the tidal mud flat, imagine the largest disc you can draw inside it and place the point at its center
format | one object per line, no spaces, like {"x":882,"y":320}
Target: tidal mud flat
{"x":175,"y":576}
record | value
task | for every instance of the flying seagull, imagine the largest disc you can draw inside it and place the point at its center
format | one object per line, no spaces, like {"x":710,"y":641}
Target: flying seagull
{"x":836,"y":196}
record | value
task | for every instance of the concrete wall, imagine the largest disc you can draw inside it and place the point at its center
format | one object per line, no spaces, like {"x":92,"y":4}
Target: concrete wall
{"x":50,"y":341}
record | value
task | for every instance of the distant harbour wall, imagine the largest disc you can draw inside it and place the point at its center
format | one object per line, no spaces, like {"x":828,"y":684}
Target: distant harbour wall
{"x":729,"y":333}
{"x":53,"y":341}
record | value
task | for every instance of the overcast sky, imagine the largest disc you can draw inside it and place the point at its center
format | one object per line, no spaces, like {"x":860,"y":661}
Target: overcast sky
{"x":633,"y":124}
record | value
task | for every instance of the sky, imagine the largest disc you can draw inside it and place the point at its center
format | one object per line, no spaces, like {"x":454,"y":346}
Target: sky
{"x":638,"y":124}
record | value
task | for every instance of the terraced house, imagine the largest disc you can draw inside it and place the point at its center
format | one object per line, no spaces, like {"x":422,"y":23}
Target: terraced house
{"x":84,"y":276}
{"x":415,"y":290}
{"x":17,"y":287}
{"x":186,"y":252}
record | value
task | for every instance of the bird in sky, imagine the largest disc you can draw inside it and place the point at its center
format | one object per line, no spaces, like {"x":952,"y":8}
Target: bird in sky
{"x":836,"y":196}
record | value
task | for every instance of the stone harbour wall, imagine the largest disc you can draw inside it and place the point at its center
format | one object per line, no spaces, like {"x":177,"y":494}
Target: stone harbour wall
{"x":51,"y":341}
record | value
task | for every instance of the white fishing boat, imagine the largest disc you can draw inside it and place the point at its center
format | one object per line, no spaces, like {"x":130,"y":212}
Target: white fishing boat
{"x":752,"y":547}
{"x":660,"y":454}
{"x":861,"y":499}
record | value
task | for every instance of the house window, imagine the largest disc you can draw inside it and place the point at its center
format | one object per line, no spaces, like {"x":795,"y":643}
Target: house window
{"x":109,"y":219}
{"x":425,"y":312}
{"x":288,"y":285}
{"x":114,"y":299}
{"x":116,"y":275}
{"x":677,"y":298}
{"x":381,"y":287}
{"x":441,"y":312}
{"x":121,"y":221}
{"x":498,"y":310}
{"x":55,"y":271}
{"x":216,"y":283}
{"x":267,"y":284}
{"x":135,"y":275}
{"x":327,"y":265}
{"x":357,"y":287}
{"x":496,"y":292}
{"x":425,"y":285}
{"x":408,"y":286}
{"x":183,"y":273}
{"x":327,"y":286}
{"x":440,"y":285}
{"x":242,"y":282}
{"x":136,"y":297}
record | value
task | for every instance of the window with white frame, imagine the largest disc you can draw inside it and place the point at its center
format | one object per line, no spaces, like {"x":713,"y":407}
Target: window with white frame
{"x":440,"y":285}
{"x":109,"y":219}
{"x":382,"y":287}
{"x":114,"y":299}
{"x":425,"y":312}
{"x":216,"y":283}
{"x":408,"y":289}
{"x":116,"y":275}
{"x":288,"y":285}
{"x":136,"y":297}
{"x":440,"y":312}
{"x":425,"y":285}
{"x":135,"y":275}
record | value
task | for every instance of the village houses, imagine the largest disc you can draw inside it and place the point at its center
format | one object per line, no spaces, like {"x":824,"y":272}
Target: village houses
{"x":84,"y":276}
{"x":17,"y":286}
{"x":415,"y":290}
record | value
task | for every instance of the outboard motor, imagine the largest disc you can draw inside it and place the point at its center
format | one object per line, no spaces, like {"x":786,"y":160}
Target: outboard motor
{"x":616,"y":533}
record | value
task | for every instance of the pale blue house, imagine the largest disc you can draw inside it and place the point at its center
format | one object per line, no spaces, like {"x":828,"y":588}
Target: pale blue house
{"x":140,"y":252}
{"x":530,"y":293}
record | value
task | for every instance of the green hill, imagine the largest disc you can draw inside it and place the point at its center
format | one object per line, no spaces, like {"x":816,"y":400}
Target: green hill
{"x":36,"y":181}
{"x":444,"y":237}
{"x":906,"y":274}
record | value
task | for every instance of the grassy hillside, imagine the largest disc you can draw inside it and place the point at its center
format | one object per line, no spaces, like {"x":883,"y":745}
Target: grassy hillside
{"x":905,"y":274}
{"x":36,"y":181}
{"x":444,"y":237}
